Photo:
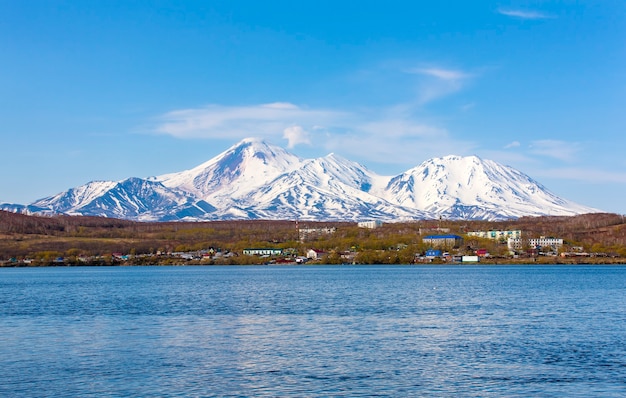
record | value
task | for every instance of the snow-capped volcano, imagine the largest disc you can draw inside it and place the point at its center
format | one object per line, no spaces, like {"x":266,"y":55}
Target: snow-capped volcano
{"x":254,"y":179}
{"x":241,"y":168}
{"x":328,"y":188}
{"x":472,"y":188}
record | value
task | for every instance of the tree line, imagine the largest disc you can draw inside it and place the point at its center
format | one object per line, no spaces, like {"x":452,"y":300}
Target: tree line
{"x":24,"y":236}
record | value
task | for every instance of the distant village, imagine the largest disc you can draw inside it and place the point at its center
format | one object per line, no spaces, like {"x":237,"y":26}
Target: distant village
{"x":437,"y":245}
{"x":446,"y":247}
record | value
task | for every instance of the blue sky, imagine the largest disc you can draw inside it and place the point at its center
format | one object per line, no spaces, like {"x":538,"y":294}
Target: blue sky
{"x":113,"y":89}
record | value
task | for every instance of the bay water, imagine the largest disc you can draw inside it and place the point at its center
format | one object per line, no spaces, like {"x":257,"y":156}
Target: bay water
{"x":309,"y":331}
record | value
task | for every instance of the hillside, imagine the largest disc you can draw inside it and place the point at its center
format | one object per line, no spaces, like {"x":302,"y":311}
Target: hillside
{"x":23,"y":236}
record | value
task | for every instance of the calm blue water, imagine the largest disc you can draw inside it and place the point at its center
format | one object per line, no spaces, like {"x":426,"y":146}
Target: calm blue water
{"x":313,"y":331}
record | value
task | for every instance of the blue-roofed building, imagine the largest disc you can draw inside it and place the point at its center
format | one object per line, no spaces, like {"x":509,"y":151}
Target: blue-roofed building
{"x":447,"y":241}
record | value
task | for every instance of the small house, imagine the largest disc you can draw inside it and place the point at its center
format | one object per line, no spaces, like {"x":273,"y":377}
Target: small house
{"x":482,"y":253}
{"x":315,"y":254}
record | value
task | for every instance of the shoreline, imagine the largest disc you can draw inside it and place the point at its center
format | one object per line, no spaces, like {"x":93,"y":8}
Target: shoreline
{"x":499,"y":262}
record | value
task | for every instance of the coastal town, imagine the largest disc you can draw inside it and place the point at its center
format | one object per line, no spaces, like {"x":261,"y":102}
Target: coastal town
{"x":74,"y":241}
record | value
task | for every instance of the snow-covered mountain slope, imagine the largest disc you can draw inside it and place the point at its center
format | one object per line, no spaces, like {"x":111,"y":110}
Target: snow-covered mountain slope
{"x":240,"y":169}
{"x":75,"y":198}
{"x":329,"y":188}
{"x":133,"y":198}
{"x":471,"y":188}
{"x":253,"y":179}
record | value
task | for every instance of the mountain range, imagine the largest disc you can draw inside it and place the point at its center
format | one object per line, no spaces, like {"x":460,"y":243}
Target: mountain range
{"x":257,"y":180}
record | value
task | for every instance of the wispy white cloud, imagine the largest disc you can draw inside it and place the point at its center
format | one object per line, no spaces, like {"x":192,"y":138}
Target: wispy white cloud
{"x":390,"y":135}
{"x":514,"y":144}
{"x":449,"y":75}
{"x":438,"y":82}
{"x":393,"y":140}
{"x":561,"y":150}
{"x":396,"y":153}
{"x":523,"y":14}
{"x":219,"y":121}
{"x":537,"y":160}
{"x":586,"y":174}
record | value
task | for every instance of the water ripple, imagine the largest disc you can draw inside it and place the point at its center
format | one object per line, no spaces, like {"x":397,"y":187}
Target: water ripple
{"x":313,"y":331}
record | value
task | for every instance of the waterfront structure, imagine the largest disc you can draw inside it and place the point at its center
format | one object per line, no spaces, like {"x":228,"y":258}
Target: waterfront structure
{"x":482,"y":253}
{"x":315,"y":254}
{"x":432,"y":253}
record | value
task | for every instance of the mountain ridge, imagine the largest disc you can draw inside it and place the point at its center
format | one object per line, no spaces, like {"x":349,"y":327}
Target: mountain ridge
{"x":256,"y":180}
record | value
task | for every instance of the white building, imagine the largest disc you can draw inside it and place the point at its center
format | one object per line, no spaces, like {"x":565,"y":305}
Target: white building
{"x":497,"y":235}
{"x":517,"y":244}
{"x":443,"y":240}
{"x":543,"y":241}
{"x":314,"y":254}
{"x":309,"y":233}
{"x":370,"y":224}
{"x":263,"y":252}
